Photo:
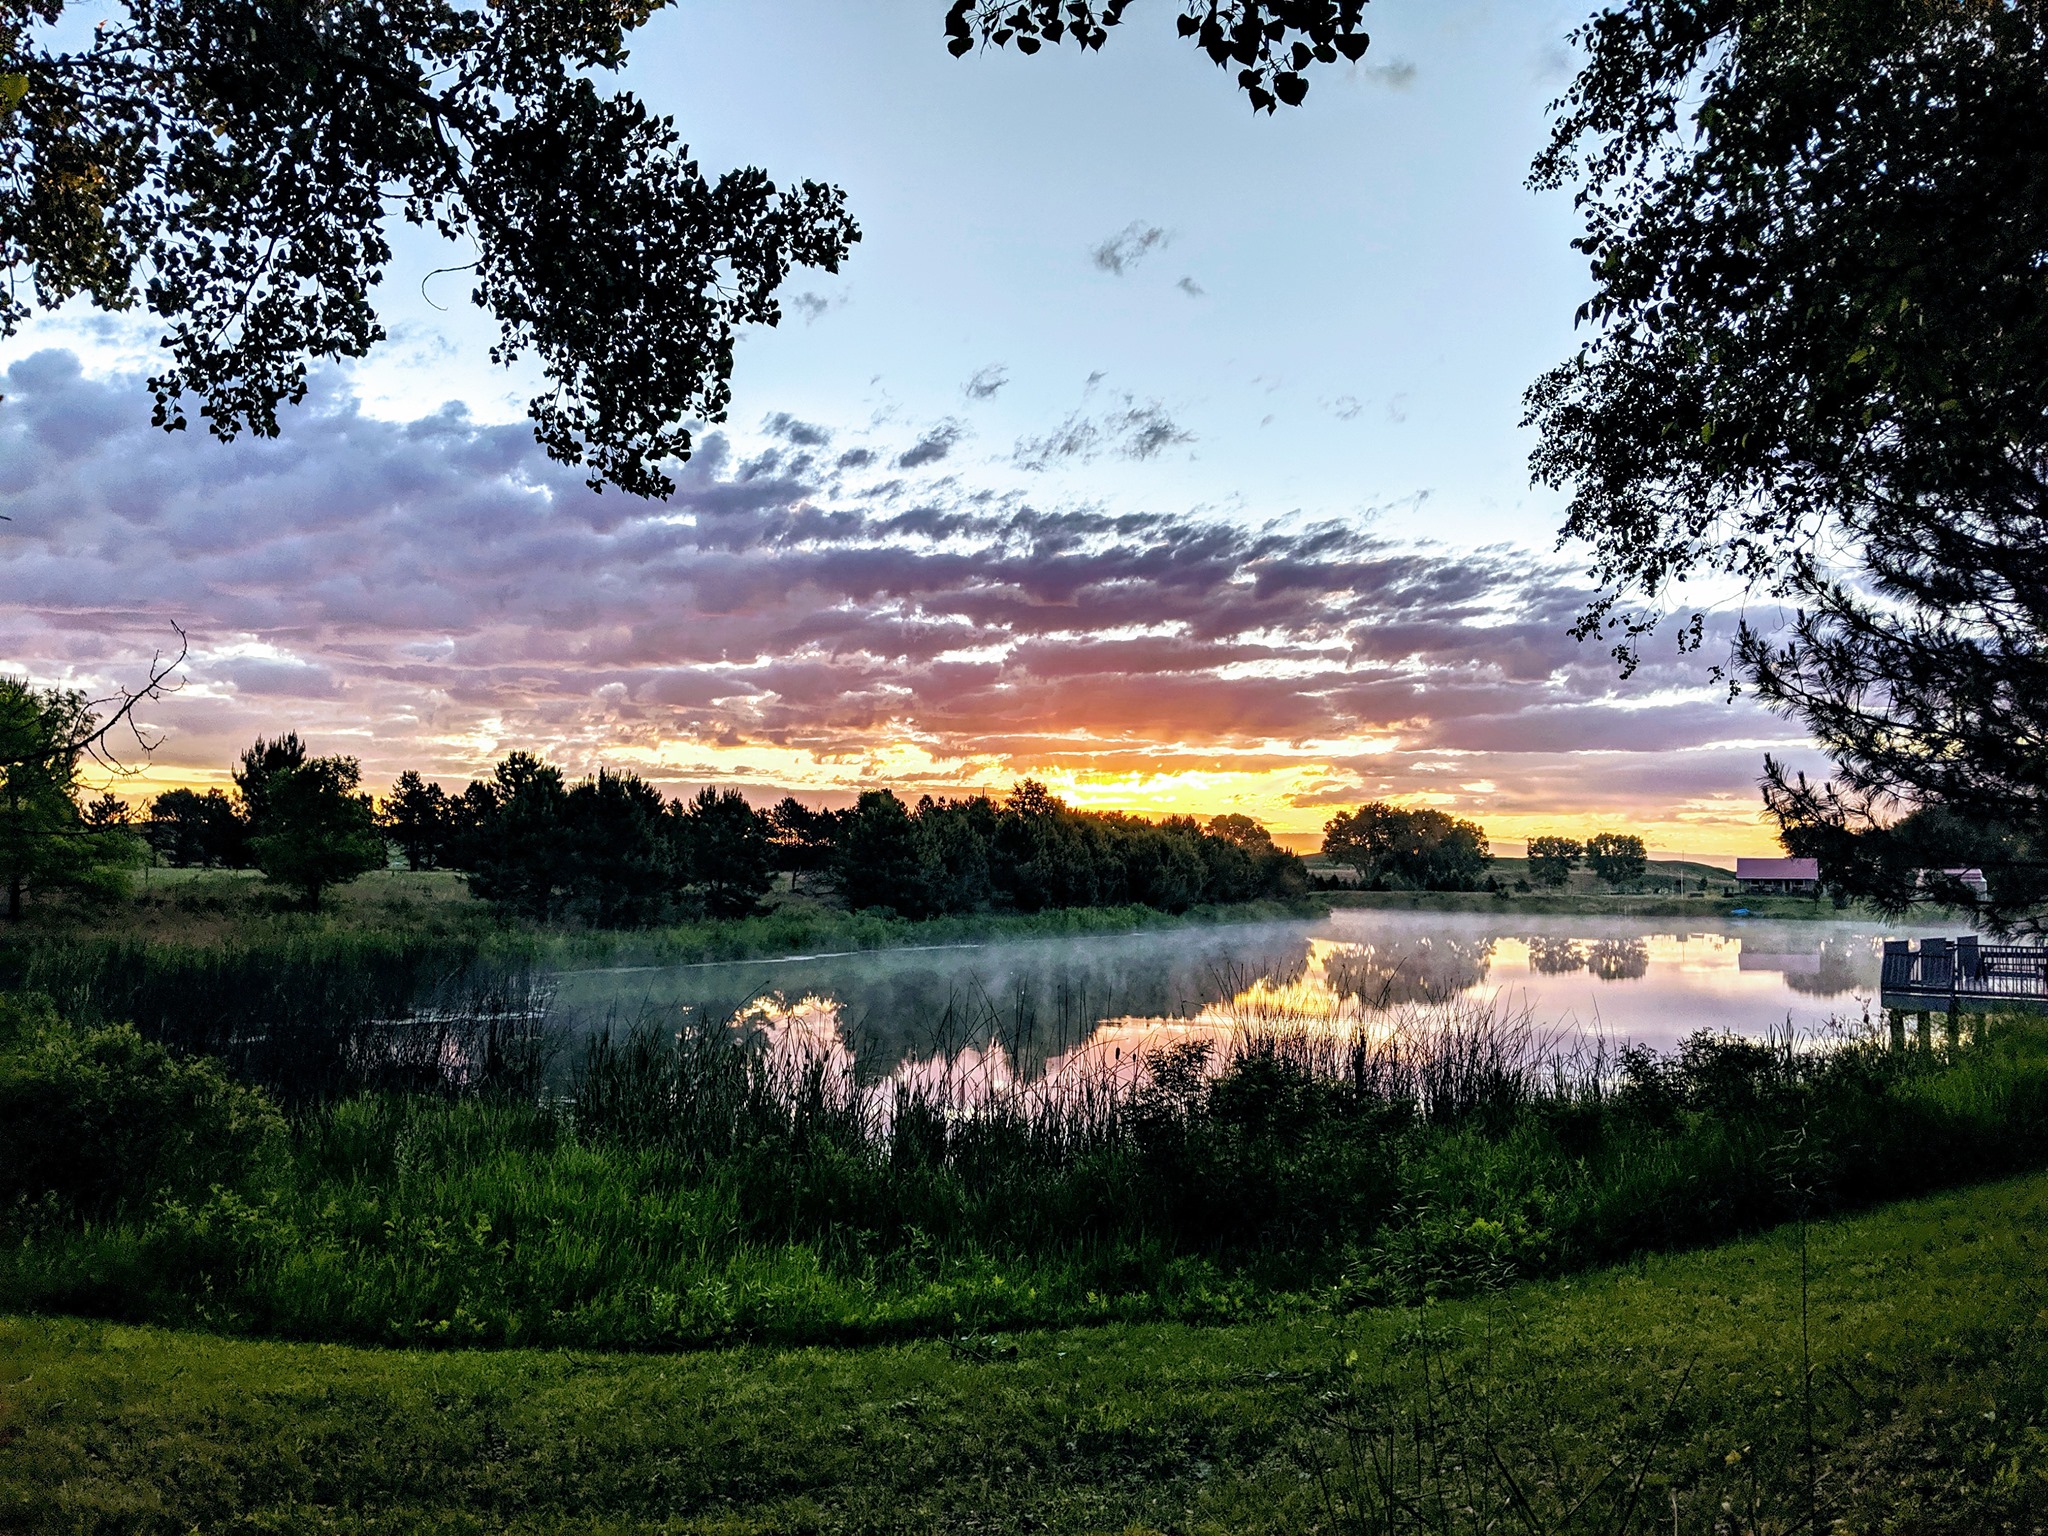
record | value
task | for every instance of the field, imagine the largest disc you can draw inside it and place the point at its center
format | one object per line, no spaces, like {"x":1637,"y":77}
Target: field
{"x":1665,"y":1395}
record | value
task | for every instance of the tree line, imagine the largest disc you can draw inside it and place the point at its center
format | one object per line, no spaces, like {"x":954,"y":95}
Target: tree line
{"x":610,"y":850}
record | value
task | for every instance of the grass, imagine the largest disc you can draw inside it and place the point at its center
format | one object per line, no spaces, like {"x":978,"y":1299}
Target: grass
{"x":1674,"y":1390}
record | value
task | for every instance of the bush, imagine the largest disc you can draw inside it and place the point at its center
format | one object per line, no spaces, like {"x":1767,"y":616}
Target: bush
{"x":99,"y":1121}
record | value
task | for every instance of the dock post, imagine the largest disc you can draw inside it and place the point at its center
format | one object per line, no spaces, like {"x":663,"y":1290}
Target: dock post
{"x":1896,"y":1018}
{"x":1923,"y":1027}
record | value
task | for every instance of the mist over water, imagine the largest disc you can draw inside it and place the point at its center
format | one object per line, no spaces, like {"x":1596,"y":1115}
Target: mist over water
{"x":1017,"y":1011}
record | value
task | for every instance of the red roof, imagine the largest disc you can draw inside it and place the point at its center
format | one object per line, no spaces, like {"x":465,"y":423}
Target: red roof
{"x":1777,"y":869}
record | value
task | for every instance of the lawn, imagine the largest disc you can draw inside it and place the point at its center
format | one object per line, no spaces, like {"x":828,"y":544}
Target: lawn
{"x":1665,"y":1395}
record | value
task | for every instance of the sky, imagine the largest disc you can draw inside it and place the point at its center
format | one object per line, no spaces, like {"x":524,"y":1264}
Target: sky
{"x":1161,"y":451}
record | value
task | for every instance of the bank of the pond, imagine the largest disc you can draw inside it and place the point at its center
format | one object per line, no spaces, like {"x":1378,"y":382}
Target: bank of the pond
{"x":700,"y":1190}
{"x":810,"y":929}
{"x":1672,"y":1394}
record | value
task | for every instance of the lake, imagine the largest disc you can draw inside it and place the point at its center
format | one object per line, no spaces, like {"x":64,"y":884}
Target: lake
{"x":1017,"y":1010}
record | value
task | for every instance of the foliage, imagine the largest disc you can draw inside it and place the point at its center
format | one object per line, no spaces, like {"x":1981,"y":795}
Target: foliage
{"x":308,"y":827}
{"x":189,"y":830}
{"x":97,"y":1122}
{"x":516,"y":847}
{"x":1552,"y":860}
{"x":1816,"y":236}
{"x":621,"y":860}
{"x":421,"y":819}
{"x":1423,"y":849}
{"x":46,"y":844}
{"x":1619,"y":858}
{"x":235,"y":173}
{"x":725,"y":845}
{"x":1033,"y":853}
{"x":801,"y":838}
{"x":1272,"y":42}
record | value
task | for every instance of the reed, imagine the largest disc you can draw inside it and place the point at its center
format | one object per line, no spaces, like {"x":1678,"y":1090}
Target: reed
{"x":676,"y":1185}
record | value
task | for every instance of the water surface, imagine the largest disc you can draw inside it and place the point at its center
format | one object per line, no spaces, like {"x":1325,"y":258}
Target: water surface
{"x":1021,"y":1009}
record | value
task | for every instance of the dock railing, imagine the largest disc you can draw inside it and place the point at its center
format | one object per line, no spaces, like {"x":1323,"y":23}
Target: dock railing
{"x":1973,"y":973}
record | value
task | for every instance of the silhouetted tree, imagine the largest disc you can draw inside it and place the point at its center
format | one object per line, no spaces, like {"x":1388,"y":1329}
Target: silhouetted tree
{"x":729,"y":858}
{"x":955,"y":842}
{"x":1269,"y":45}
{"x":519,"y":849}
{"x":1243,"y":831}
{"x":188,"y":829}
{"x":261,"y":766}
{"x":1819,"y":341}
{"x":235,"y":172}
{"x":1364,"y":839}
{"x":875,"y":862}
{"x":1552,"y":860}
{"x":621,"y":867}
{"x":801,"y":838}
{"x":1046,"y":854}
{"x":314,"y":829}
{"x":1424,"y":849}
{"x":420,"y":818}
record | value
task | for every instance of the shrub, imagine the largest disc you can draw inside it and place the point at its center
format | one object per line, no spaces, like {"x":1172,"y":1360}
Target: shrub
{"x":98,"y":1121}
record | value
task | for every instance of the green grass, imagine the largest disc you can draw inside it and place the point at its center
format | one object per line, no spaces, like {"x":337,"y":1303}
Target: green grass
{"x":1680,"y":1378}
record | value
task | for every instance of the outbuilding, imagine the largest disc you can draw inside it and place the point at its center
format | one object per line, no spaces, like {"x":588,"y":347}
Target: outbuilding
{"x":1778,"y":877}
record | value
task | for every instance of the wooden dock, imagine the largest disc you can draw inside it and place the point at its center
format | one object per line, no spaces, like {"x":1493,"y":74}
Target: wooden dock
{"x":1958,"y":976}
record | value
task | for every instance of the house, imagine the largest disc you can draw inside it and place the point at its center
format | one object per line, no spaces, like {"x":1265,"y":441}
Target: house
{"x":1970,"y":879}
{"x":1778,"y":877}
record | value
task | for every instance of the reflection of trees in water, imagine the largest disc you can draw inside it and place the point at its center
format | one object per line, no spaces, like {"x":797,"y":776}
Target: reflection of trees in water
{"x":1556,"y":957}
{"x":1035,"y":1001}
{"x":1419,"y":970}
{"x":1618,"y":959}
{"x":1845,"y":965}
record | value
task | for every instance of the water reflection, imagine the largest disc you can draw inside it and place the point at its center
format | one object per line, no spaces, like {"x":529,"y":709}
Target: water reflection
{"x":1018,"y":1012}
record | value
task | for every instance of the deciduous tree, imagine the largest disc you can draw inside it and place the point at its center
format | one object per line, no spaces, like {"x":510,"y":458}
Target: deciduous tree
{"x":1552,"y":860}
{"x":1619,"y":858}
{"x":235,"y":170}
{"x":1819,"y":366}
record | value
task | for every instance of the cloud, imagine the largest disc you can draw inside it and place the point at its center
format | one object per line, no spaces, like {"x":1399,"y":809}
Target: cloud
{"x":936,"y":443}
{"x":813,"y":306}
{"x":1129,"y":246}
{"x":1131,"y":430}
{"x":800,"y":433}
{"x":986,"y":382}
{"x":431,"y":593}
{"x":1190,"y":287}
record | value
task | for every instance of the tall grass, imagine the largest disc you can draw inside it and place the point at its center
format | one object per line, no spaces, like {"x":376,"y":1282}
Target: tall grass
{"x":701,"y":1184}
